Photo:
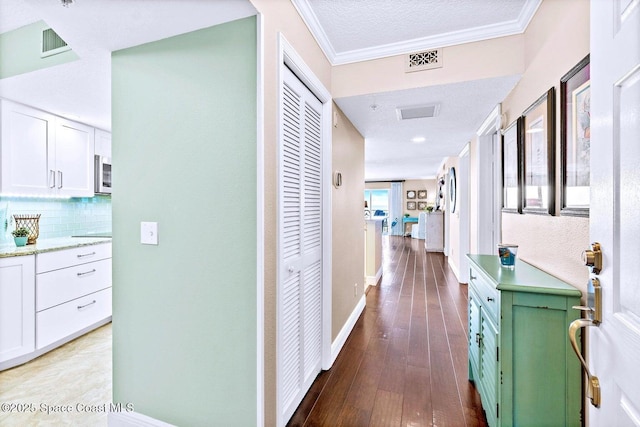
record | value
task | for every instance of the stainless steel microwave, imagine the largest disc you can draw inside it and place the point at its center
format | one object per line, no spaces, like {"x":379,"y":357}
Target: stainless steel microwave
{"x":103,"y":175}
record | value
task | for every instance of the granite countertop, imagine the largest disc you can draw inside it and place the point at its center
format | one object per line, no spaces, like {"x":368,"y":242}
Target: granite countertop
{"x":48,"y":245}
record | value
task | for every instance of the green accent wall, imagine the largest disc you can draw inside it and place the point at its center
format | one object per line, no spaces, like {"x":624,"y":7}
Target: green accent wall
{"x":20,"y":51}
{"x":184,"y":153}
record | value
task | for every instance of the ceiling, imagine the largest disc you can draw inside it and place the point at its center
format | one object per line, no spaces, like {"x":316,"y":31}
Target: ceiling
{"x":347,"y":30}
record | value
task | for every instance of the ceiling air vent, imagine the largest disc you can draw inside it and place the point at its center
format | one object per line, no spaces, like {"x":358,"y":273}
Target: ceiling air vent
{"x":427,"y":60}
{"x":418,"y":111}
{"x":52,"y":43}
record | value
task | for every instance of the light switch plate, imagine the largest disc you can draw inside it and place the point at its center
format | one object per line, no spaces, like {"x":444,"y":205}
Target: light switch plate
{"x":149,"y":233}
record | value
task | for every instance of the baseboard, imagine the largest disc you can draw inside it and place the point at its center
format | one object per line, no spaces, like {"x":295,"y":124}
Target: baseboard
{"x":373,"y":280}
{"x":338,"y":343}
{"x":133,"y":419}
{"x":455,"y":270}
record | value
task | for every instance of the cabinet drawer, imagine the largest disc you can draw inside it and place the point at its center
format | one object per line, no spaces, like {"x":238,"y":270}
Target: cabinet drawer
{"x":488,"y":294}
{"x":55,"y":260}
{"x":59,"y":286}
{"x":65,"y":319}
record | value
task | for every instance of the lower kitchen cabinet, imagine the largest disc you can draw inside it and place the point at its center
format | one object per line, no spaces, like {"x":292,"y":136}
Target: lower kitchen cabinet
{"x":17,"y":308}
{"x":520,"y":357}
{"x":50,"y":298}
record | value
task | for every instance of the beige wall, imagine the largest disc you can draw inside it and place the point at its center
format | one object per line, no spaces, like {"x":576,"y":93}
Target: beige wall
{"x":348,"y":221}
{"x":451,"y":220}
{"x":472,"y":61}
{"x":556,"y":40}
{"x":279,"y":16}
{"x":418,"y":184}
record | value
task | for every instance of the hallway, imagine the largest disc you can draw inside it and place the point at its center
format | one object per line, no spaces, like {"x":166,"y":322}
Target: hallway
{"x":405,"y":362}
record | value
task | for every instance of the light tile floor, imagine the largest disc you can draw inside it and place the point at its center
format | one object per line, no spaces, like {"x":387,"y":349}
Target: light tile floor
{"x":75,"y":378}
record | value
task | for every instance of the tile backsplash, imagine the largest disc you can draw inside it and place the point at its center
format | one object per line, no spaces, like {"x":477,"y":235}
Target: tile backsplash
{"x":59,"y":217}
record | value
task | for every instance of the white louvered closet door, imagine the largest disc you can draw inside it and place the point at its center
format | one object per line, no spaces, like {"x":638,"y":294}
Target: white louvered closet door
{"x":300,"y":244}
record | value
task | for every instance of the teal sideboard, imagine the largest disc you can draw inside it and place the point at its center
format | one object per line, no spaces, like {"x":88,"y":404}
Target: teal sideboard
{"x":520,"y":357}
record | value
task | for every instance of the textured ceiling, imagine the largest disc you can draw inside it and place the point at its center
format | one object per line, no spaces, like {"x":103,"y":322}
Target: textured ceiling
{"x":390,"y":152}
{"x":354,"y":25}
{"x":81,"y":90}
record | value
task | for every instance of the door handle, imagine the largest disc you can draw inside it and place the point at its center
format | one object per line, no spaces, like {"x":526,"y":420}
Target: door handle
{"x":592,"y":380}
{"x":593,"y":311}
{"x":52,"y":178}
{"x":60,"y":179}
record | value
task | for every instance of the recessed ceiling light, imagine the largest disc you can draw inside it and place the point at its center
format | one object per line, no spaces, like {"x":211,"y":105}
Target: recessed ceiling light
{"x":374,"y":107}
{"x":418,"y":139}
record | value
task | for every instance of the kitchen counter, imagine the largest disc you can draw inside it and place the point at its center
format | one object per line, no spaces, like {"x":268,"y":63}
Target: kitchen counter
{"x":48,"y":245}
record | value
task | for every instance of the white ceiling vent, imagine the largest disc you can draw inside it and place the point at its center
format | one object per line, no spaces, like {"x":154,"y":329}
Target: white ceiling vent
{"x":52,"y":43}
{"x":418,"y":111}
{"x":426,"y":60}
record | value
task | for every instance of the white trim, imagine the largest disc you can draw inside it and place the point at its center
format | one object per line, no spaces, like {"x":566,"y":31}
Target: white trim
{"x":288,"y":57}
{"x":486,"y":183}
{"x":486,"y":32}
{"x":454,"y":268}
{"x":133,"y":419}
{"x":373,"y":280}
{"x":492,"y":123}
{"x":260,"y":228}
{"x":465,"y":150}
{"x":347,"y":328}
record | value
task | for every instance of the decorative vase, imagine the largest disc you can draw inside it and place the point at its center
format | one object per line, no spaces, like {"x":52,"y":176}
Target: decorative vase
{"x":21,"y":240}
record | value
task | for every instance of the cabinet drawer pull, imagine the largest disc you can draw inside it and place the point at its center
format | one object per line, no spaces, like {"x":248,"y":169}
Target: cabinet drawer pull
{"x":86,"y":272}
{"x":52,"y":178}
{"x":472,"y":277}
{"x":84,"y":255}
{"x":80,"y":307}
{"x":478,"y":339}
{"x":489,"y":299}
{"x":60,"y":179}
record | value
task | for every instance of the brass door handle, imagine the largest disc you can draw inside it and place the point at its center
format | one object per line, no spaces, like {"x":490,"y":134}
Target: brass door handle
{"x":593,"y":258}
{"x":593,"y":382}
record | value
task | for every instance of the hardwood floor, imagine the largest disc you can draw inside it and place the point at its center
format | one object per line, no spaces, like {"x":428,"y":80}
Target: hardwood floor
{"x":405,"y":362}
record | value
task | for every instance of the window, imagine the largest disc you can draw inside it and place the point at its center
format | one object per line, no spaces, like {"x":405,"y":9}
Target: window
{"x":377,"y":200}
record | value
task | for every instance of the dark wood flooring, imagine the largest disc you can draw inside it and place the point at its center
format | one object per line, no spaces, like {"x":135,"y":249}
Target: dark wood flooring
{"x":405,"y":362}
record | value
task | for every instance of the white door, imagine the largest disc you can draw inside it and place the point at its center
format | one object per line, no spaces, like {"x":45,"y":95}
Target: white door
{"x":74,"y":159}
{"x":299,"y":247}
{"x":614,"y":346}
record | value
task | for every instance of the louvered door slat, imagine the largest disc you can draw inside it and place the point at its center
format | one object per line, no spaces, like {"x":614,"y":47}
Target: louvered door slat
{"x":300,"y":232}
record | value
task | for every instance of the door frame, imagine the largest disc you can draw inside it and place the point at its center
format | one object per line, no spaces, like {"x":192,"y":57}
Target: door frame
{"x":489,"y":150}
{"x":288,"y":57}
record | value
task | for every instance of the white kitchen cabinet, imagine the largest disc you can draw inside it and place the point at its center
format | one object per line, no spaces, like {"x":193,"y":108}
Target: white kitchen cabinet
{"x":26,"y":159}
{"x":103,"y":143}
{"x":43,"y":154}
{"x":17,"y":307}
{"x":434,"y":237}
{"x":73,"y":292}
{"x":74,"y":159}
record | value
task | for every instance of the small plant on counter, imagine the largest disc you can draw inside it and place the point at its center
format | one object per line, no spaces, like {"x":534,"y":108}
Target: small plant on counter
{"x":20,"y":232}
{"x":429,"y":208}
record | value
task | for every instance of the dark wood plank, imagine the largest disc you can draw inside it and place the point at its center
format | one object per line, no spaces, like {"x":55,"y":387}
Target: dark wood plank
{"x":405,"y":362}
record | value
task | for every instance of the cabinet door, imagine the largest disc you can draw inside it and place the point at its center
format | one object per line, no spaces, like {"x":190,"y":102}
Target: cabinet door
{"x":474,"y":337}
{"x":27,"y":163}
{"x":103,"y":143}
{"x":74,"y":159}
{"x":489,"y":374}
{"x":17,"y":308}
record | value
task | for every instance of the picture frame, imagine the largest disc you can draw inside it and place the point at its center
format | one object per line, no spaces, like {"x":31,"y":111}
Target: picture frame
{"x":538,"y":144}
{"x":411,"y":194}
{"x":411,"y":206}
{"x":422,"y":206}
{"x":512,"y":168}
{"x":422,"y":194}
{"x":575,"y":139}
{"x":453,"y":188}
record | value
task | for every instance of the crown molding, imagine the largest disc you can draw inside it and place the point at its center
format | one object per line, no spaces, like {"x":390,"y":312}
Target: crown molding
{"x":317,"y":31}
{"x":470,"y":35}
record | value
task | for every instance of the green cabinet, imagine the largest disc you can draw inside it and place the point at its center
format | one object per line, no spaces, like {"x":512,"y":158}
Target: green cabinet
{"x":520,"y":357}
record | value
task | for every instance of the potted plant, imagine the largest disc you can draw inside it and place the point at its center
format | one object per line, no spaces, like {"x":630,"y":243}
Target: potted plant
{"x":429,"y":209}
{"x":20,"y":236}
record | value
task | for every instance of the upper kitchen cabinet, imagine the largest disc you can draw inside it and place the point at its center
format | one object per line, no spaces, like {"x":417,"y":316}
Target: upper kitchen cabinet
{"x":42,"y":154}
{"x":74,"y":159}
{"x":103,"y":143}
